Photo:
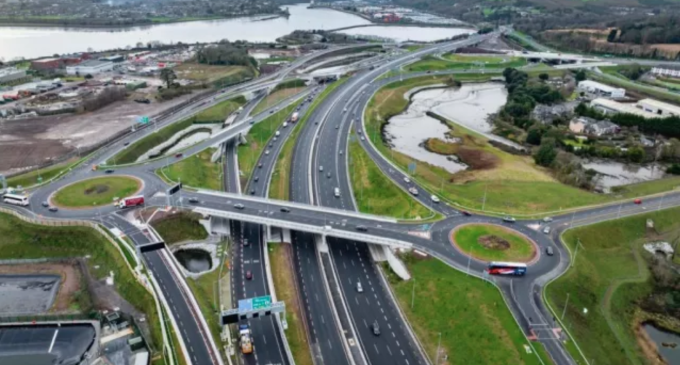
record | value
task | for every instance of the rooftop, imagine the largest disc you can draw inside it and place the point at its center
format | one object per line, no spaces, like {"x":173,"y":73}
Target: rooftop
{"x":661,"y":105}
{"x":597,"y":85}
{"x":91,"y":63}
{"x":9,"y":71}
{"x":620,"y":107}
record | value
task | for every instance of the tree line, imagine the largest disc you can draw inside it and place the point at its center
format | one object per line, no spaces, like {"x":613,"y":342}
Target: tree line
{"x":225,"y":53}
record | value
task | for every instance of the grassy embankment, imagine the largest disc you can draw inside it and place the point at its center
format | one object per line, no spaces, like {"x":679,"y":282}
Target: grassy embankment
{"x":608,"y":278}
{"x":180,"y":227}
{"x":280,"y":184}
{"x":216,"y":75}
{"x":279,"y":93}
{"x":475,"y":324}
{"x":474,"y":240}
{"x":21,"y":240}
{"x":284,"y":283}
{"x":96,"y":192}
{"x":41,"y":175}
{"x":197,"y":171}
{"x":375,"y":193}
{"x":258,"y":139}
{"x":215,"y":114}
{"x":511,"y":183}
{"x":456,"y":61}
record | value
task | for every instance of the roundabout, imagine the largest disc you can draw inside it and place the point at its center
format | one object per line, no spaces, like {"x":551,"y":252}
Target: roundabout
{"x":96,"y":192}
{"x":491,"y":242}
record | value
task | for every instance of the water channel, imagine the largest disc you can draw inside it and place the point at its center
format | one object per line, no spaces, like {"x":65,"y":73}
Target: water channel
{"x":194,"y":260}
{"x":32,"y":42}
{"x":469,"y":106}
{"x":670,"y":354}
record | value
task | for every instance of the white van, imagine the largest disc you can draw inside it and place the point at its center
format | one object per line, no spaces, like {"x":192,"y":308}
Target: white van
{"x":285,"y":124}
{"x":278,"y":133}
{"x":337,"y":192}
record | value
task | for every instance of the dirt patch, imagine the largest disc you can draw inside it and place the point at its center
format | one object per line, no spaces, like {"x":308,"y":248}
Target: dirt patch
{"x":477,"y":159}
{"x":494,"y":242}
{"x":97,"y":189}
{"x":70,"y":280}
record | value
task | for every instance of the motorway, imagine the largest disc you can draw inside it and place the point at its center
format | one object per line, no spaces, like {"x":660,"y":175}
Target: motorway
{"x":315,"y":210}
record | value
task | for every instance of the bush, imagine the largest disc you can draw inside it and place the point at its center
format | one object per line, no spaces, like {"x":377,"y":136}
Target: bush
{"x":546,"y":154}
{"x":674,"y":169}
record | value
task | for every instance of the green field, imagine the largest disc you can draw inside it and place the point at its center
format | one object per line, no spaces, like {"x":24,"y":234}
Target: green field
{"x":284,"y":283}
{"x":196,"y":171}
{"x":280,"y":183}
{"x":96,"y":192}
{"x":608,"y":277}
{"x":180,"y":227}
{"x":469,"y":239}
{"x":475,"y":324}
{"x":499,"y":182}
{"x":199,"y":72}
{"x":214,"y":114}
{"x":375,"y":193}
{"x":21,"y":240}
{"x":457,"y":61}
{"x":258,"y":138}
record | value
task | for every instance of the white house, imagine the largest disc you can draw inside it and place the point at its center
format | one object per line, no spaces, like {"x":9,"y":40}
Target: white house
{"x":597,"y":88}
{"x":91,"y":67}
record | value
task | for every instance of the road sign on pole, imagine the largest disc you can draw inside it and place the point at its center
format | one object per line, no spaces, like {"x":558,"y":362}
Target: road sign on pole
{"x":412,"y":168}
{"x":173,"y":190}
{"x":142,"y":119}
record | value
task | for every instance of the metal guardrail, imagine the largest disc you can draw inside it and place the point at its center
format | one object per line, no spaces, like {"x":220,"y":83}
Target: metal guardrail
{"x":305,"y":227}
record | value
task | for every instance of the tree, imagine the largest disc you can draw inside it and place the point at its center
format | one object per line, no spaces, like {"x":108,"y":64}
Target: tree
{"x":534,"y":136}
{"x":88,"y":76}
{"x":451,"y":82}
{"x":612,"y":35}
{"x":674,"y":169}
{"x":168,"y":76}
{"x":546,"y":154}
{"x":544,"y":77}
{"x":636,"y":154}
{"x":580,"y":75}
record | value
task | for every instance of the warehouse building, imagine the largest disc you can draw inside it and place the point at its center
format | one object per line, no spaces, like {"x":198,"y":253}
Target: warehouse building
{"x":666,"y":72}
{"x":659,"y":108}
{"x":596,"y":88}
{"x":90,"y":67}
{"x":612,"y":107}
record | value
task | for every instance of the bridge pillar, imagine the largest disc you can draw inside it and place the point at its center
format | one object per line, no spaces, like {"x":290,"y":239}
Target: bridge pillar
{"x":397,"y":266}
{"x":321,"y":243}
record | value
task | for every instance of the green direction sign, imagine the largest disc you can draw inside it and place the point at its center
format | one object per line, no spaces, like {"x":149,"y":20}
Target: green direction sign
{"x":143,"y":119}
{"x":262,"y":302}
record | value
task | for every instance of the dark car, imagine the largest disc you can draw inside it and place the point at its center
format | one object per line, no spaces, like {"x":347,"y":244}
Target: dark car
{"x":143,"y":101}
{"x":178,"y":155}
{"x":193,"y":200}
{"x":109,"y":171}
{"x":362,"y":228}
{"x":45,"y":204}
{"x":285,"y":210}
{"x":259,"y":166}
{"x":375,"y":328}
{"x":126,"y":144}
{"x":53,"y":209}
{"x":252,"y":191}
{"x":466,"y":213}
{"x":549,"y":251}
{"x":239,"y":206}
{"x":249,"y":275}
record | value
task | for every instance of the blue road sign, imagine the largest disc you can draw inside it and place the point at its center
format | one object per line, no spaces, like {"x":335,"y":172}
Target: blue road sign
{"x":245,"y":305}
{"x":412,"y":168}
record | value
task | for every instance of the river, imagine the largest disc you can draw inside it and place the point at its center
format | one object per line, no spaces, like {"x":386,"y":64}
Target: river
{"x":32,"y":42}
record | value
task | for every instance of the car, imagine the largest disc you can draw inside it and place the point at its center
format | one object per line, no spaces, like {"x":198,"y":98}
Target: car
{"x":413,"y":190}
{"x":179,"y":155}
{"x":549,"y":251}
{"x":252,"y":191}
{"x":428,"y":72}
{"x":285,"y":210}
{"x":284,"y":125}
{"x":275,"y":138}
{"x":328,"y":175}
{"x":245,"y":242}
{"x":252,"y":122}
{"x":143,"y":101}
{"x":45,"y":204}
{"x":344,"y":110}
{"x":465,"y":213}
{"x":53,"y":209}
{"x":360,"y":289}
{"x":109,"y":171}
{"x":341,"y":152}
{"x":259,"y":166}
{"x":375,"y":328}
{"x":249,"y":275}
{"x":547,"y":219}
{"x":239,"y":206}
{"x":362,"y":228}
{"x":193,"y":200}
{"x":359,"y":131}
{"x":316,"y":122}
{"x":637,"y":201}
{"x":277,"y":133}
{"x":362,"y":138}
{"x":256,"y":178}
{"x":321,"y":168}
{"x":434,"y":198}
{"x":271,"y":111}
{"x":126,"y":144}
{"x":508,"y":219}
{"x":337,"y":126}
{"x":407,"y":180}
{"x":266,"y":152}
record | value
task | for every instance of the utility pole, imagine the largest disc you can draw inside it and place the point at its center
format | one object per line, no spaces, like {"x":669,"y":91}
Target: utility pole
{"x":439,"y":344}
{"x":413,"y":292}
{"x":486,"y":186}
{"x":578,"y":243}
{"x":565,"y":307}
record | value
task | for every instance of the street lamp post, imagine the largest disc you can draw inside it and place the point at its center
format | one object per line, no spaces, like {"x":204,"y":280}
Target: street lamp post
{"x":565,"y":307}
{"x":439,"y":344}
{"x":413,"y":292}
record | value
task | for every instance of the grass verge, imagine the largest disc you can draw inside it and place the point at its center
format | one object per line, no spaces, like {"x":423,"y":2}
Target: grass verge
{"x":36,"y":177}
{"x":375,"y":193}
{"x":22,"y":240}
{"x":284,"y":282}
{"x":96,"y":192}
{"x":608,"y":278}
{"x":180,"y":227}
{"x":280,"y":183}
{"x":455,"y":61}
{"x":275,"y":98}
{"x":493,"y":243}
{"x":197,"y":171}
{"x":475,"y":325}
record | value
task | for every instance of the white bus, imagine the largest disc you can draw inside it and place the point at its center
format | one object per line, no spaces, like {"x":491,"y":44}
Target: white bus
{"x":16,"y":199}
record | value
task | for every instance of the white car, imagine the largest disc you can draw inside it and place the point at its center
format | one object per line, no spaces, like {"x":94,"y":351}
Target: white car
{"x":285,"y":124}
{"x":266,"y":152}
{"x":407,"y":180}
{"x":546,"y":230}
{"x":360,"y":289}
{"x":434,"y":198}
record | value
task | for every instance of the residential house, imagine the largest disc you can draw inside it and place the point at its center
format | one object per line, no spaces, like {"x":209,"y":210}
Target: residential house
{"x":602,"y":128}
{"x":578,"y":125}
{"x":547,"y":114}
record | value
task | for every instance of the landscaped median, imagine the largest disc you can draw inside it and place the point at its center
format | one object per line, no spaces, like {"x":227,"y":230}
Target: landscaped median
{"x":458,"y":61}
{"x":490,"y":242}
{"x":279,"y":93}
{"x":197,"y":171}
{"x":470,"y":315}
{"x":614,"y":287}
{"x":180,"y":227}
{"x":96,"y":191}
{"x":215,"y":114}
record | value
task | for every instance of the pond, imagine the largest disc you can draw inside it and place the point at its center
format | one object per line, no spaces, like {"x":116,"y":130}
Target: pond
{"x":20,"y":294}
{"x":194,"y":260}
{"x":612,"y":173}
{"x":670,"y":354}
{"x":469,"y":106}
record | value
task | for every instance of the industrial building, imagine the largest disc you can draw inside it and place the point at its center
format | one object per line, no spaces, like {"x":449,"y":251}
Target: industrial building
{"x":89,"y":67}
{"x":596,"y":88}
{"x":659,"y":108}
{"x":10,"y":74}
{"x":666,"y":72}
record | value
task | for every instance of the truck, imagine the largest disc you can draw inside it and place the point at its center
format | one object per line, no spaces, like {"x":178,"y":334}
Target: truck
{"x":294,"y":117}
{"x":132,"y":201}
{"x":245,"y":339}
